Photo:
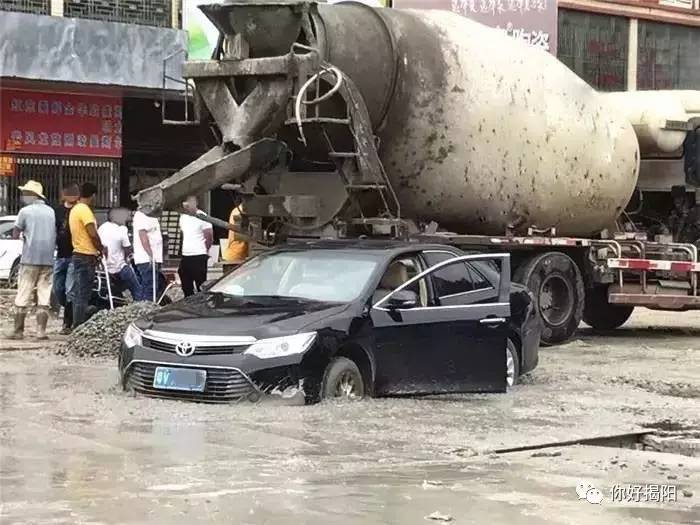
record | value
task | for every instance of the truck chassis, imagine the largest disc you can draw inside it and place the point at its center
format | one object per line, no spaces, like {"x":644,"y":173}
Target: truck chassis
{"x":616,"y":274}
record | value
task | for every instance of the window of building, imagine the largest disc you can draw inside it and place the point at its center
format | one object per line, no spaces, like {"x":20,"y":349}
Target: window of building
{"x":37,"y":7}
{"x":143,"y":12}
{"x":595,"y":48}
{"x":669,"y":56}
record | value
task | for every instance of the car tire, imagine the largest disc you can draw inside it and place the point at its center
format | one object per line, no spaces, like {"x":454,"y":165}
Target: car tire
{"x":512,"y":364}
{"x":342,"y":379}
{"x":13,"y":278}
{"x":557,"y":285}
{"x":599,"y":314}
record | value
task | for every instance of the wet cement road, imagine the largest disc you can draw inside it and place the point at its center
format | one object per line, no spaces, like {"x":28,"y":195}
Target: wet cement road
{"x":75,"y":449}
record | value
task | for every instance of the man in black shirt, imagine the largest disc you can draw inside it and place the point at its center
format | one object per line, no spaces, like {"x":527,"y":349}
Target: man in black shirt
{"x":62,"y":280}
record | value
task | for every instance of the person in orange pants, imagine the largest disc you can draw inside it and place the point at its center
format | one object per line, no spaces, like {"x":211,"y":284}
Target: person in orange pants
{"x":236,"y":252}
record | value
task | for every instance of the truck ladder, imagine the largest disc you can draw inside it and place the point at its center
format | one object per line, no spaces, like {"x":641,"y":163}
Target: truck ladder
{"x":361,"y":168}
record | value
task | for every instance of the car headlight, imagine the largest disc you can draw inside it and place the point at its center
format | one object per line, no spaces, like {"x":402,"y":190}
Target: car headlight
{"x":282,"y":346}
{"x":132,"y":336}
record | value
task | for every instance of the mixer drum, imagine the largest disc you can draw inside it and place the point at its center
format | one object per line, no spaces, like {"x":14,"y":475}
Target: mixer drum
{"x":479,"y":132}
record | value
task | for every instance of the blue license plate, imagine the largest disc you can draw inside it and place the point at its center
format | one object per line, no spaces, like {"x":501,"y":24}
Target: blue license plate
{"x":185,"y":379}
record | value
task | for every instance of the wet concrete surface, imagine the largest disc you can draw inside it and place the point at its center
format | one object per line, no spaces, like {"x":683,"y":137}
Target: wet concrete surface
{"x":75,"y":449}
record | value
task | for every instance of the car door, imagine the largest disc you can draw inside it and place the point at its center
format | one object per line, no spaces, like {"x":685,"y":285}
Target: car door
{"x":455,"y":343}
{"x":396,"y":341}
{"x":10,"y":249}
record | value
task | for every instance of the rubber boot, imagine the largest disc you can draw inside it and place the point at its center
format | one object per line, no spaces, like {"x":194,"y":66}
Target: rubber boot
{"x":42,"y":319}
{"x":79,"y":314}
{"x":67,"y":319}
{"x":18,"y":332}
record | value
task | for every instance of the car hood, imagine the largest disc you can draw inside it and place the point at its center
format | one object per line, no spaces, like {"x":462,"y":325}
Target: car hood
{"x":204,"y":314}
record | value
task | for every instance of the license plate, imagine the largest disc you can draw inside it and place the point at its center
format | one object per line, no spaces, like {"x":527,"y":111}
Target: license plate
{"x":186,"y":379}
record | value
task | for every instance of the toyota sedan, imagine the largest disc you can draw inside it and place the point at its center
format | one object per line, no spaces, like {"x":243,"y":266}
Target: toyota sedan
{"x":329,"y":319}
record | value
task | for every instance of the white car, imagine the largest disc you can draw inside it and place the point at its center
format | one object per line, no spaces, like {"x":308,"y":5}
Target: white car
{"x":10,"y":251}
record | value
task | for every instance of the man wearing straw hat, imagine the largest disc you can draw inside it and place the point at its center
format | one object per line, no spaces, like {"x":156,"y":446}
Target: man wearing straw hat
{"x":37,"y":222}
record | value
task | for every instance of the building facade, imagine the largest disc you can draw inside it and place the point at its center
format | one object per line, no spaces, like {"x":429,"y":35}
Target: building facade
{"x":84,"y":88}
{"x":632,"y":44}
{"x":612,"y":44}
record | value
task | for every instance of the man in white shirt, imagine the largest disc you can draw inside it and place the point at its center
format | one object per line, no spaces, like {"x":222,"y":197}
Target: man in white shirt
{"x":197,"y":238}
{"x":148,"y":254}
{"x":117,"y":249}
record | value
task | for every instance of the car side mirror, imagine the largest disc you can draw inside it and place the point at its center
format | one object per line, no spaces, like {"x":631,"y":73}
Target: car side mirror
{"x":402,"y":300}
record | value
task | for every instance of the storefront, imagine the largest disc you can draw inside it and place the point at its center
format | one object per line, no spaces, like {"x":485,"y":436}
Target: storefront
{"x":613,"y":50}
{"x":59,"y":138}
{"x":613,"y":45}
{"x":90,"y":108}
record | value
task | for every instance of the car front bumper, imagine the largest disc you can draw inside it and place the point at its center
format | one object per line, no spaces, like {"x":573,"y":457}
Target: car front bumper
{"x":230,"y":377}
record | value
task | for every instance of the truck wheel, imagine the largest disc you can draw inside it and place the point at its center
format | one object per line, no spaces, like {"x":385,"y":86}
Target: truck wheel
{"x":599,"y":314}
{"x":555,"y":281}
{"x":342,"y":378}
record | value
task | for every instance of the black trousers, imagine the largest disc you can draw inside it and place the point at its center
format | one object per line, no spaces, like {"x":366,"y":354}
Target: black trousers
{"x":192,"y":272}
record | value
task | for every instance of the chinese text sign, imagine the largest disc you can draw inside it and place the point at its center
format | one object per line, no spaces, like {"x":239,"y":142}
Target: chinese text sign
{"x":60,"y":123}
{"x":532,"y":21}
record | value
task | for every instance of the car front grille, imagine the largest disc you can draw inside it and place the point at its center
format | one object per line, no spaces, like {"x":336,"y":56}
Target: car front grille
{"x":223,"y":385}
{"x":163,"y":346}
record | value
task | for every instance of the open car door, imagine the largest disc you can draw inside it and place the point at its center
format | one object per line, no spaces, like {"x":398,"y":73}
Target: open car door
{"x":455,"y":343}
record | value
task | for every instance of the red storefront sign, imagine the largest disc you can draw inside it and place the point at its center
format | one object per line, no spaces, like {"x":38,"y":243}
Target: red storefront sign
{"x":60,"y":123}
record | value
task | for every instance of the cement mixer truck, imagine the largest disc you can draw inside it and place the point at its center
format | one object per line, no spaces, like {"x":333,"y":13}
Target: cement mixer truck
{"x":344,"y":120}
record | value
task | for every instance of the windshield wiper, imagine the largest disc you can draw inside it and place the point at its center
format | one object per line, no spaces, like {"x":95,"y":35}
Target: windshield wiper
{"x":289,"y":299}
{"x":238,"y":300}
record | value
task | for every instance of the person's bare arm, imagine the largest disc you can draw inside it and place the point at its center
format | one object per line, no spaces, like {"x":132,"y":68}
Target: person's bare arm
{"x":143,"y":235}
{"x":19,"y":226}
{"x":92,"y":232}
{"x":209,"y":237}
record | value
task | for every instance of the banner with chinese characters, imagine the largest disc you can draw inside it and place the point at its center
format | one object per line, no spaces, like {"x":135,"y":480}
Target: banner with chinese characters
{"x":60,"y":123}
{"x":532,"y":21}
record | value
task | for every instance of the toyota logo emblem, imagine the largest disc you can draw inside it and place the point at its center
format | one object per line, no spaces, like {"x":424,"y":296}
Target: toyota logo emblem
{"x":184,"y":349}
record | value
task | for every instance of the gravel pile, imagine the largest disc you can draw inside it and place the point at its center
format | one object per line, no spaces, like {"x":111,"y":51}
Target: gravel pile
{"x":101,"y":335}
{"x":7,"y":305}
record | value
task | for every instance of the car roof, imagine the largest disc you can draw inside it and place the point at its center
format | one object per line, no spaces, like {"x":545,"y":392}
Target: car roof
{"x":376,"y":246}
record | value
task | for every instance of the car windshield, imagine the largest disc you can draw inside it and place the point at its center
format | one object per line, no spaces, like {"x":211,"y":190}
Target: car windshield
{"x":316,"y":275}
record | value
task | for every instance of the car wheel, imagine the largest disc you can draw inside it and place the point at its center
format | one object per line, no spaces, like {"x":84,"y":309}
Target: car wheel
{"x":599,"y":314}
{"x":14,"y":276}
{"x":555,"y":281}
{"x":512,"y":364}
{"x":342,"y":379}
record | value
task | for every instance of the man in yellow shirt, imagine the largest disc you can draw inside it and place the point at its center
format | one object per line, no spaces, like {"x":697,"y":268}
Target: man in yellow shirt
{"x":237,"y":251}
{"x":87,"y":249}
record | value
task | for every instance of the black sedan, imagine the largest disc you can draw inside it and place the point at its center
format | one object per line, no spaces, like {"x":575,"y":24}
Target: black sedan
{"x":337,"y":318}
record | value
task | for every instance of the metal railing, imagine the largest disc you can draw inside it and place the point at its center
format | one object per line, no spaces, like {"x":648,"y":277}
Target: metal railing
{"x":55,"y":173}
